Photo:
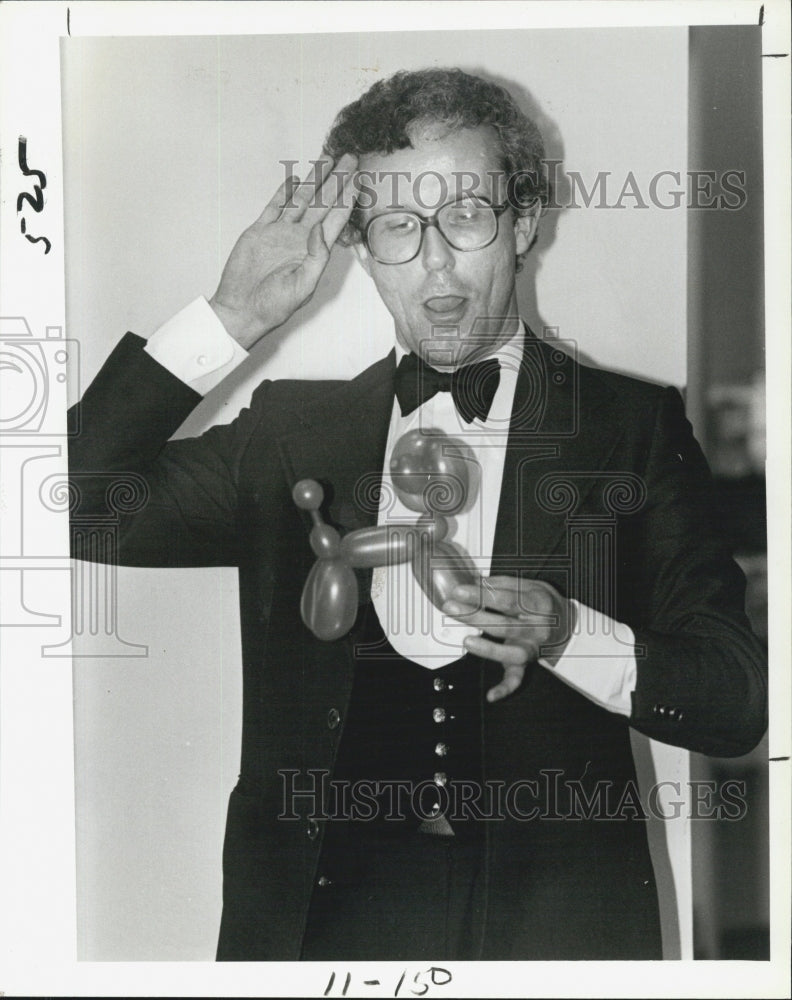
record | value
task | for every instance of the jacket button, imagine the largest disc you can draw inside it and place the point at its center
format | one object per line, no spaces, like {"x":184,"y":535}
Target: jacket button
{"x":323,"y":881}
{"x":333,"y":718}
{"x":312,"y":830}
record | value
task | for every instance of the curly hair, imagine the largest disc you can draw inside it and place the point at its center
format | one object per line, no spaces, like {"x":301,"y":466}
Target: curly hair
{"x":382,"y":120}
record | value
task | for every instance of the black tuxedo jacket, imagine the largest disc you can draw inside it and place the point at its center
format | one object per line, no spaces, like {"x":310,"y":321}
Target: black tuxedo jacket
{"x":605,"y":495}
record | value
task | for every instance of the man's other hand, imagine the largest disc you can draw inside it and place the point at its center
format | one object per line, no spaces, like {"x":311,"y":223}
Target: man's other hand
{"x":276,"y":264}
{"x":528,"y":617}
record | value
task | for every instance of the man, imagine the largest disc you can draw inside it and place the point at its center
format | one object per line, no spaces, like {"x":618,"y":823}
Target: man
{"x":431,"y":784}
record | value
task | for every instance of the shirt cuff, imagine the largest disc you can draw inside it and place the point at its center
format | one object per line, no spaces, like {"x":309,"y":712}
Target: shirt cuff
{"x":194,"y":346}
{"x":599,"y":660}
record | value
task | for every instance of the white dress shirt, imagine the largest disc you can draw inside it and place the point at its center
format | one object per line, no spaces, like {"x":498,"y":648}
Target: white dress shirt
{"x":599,"y":660}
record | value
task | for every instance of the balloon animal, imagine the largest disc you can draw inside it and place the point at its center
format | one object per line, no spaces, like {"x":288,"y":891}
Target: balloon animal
{"x":431,"y":476}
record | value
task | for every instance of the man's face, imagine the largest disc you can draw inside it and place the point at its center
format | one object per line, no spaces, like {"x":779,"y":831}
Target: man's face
{"x":462,"y":300}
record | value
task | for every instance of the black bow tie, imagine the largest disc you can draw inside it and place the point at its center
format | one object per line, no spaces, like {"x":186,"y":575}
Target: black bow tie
{"x":472,"y":387}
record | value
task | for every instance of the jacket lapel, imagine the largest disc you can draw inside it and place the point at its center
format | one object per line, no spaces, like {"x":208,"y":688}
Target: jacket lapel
{"x":561,"y":438}
{"x":341,"y":441}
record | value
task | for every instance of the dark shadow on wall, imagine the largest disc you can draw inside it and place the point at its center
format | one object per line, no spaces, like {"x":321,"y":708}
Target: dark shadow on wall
{"x":725,"y":403}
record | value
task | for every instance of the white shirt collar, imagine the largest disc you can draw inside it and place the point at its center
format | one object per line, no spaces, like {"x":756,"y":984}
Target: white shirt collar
{"x":510,"y":349}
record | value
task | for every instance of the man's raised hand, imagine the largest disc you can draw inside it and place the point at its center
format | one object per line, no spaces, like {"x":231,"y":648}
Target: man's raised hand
{"x":529,"y":618}
{"x":277,"y":262}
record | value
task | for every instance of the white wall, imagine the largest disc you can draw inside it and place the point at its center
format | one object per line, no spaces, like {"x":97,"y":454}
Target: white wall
{"x":171,"y":149}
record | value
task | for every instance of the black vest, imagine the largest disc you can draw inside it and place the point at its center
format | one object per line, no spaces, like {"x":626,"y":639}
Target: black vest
{"x":412,"y":736}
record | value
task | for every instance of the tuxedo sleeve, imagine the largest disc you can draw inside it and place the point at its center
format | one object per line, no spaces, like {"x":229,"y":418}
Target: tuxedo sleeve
{"x":701,"y":673}
{"x":158,"y":502}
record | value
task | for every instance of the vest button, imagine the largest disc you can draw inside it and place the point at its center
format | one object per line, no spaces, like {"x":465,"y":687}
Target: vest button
{"x":312,"y":830}
{"x":438,"y":714}
{"x":438,"y":684}
{"x":441,"y":749}
{"x":323,"y":881}
{"x":440,"y":777}
{"x":333,"y":718}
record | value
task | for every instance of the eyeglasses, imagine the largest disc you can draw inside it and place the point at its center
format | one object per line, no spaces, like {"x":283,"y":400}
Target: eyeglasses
{"x":466,"y":224}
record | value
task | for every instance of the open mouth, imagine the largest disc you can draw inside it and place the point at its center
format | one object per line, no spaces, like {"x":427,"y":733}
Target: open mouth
{"x":445,"y":306}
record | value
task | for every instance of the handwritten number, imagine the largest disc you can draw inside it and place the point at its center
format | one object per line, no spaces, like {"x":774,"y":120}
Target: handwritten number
{"x":424,"y":986}
{"x":35,"y":239}
{"x":36,"y":205}
{"x":421,"y":979}
{"x":36,"y":200}
{"x":26,"y":170}
{"x":433,"y":972}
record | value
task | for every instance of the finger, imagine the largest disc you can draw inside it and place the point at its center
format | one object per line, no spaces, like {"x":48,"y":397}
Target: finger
{"x":315,"y":260}
{"x":508,"y":582}
{"x":467,"y":612}
{"x":312,"y":184}
{"x":309,"y":189}
{"x":484,"y":595}
{"x":535,"y":598}
{"x":495,"y":623}
{"x":527,"y":600}
{"x":320,"y":190}
{"x":339,"y":214}
{"x":512,"y":679}
{"x":335,"y":192}
{"x":278,"y":201}
{"x":346,"y":166}
{"x":506,"y":653}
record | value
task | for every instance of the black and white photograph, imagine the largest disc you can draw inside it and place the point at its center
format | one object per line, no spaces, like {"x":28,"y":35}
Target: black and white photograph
{"x":396,"y":516}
